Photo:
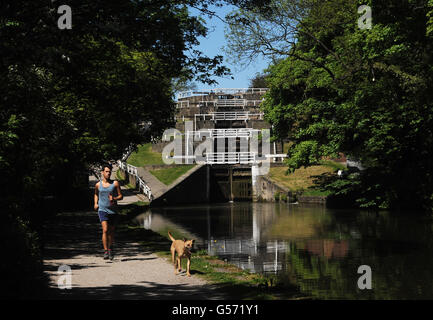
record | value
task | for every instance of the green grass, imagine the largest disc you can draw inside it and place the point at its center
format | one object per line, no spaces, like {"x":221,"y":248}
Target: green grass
{"x":145,"y":156}
{"x":304,"y":179}
{"x":334,"y":165}
{"x":121,"y":178}
{"x":169,"y":175}
{"x":301,"y":179}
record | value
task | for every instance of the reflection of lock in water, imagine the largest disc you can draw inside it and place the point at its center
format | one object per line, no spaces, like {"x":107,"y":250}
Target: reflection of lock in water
{"x":65,"y":279}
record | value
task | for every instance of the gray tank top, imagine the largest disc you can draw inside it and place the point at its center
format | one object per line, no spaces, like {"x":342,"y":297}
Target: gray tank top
{"x":104,"y":200}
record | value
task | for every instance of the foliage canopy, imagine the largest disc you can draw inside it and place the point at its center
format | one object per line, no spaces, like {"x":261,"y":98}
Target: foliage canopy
{"x":337,"y":88}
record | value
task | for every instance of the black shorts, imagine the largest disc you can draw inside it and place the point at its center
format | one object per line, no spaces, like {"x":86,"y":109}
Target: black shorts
{"x":110,"y":217}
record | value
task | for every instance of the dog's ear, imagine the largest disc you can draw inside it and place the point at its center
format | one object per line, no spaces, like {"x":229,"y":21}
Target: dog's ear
{"x":184,"y":239}
{"x":192,"y":241}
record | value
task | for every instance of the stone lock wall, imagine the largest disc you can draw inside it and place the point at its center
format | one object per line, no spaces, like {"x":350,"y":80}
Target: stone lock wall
{"x":266,"y":190}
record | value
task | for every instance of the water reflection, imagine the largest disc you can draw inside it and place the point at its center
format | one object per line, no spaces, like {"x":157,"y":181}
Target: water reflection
{"x":318,"y":249}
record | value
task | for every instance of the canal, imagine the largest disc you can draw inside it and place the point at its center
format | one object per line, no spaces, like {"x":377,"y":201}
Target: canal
{"x":316,"y":248}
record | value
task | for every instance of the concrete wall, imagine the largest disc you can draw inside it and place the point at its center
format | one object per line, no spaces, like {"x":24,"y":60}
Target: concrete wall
{"x":129,"y":178}
{"x":192,"y":190}
{"x":206,"y":185}
{"x":266,"y":190}
{"x":312,"y":199}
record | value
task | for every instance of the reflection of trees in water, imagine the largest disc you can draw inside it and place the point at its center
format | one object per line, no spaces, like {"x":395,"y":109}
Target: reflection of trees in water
{"x":394,"y":247}
{"x":318,"y":249}
{"x":328,"y":248}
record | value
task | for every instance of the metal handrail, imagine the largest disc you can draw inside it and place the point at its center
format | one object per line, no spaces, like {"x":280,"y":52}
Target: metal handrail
{"x":191,"y":93}
{"x":230,"y":157}
{"x":225,"y":133}
{"x":180,"y":104}
{"x":241,"y":115}
{"x":220,"y":103}
{"x":141,"y":184}
{"x":230,"y":102}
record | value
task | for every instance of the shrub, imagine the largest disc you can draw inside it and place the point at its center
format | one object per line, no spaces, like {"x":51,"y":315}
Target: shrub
{"x":22,"y":263}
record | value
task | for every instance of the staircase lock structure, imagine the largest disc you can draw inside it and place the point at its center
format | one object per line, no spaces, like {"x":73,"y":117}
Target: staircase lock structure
{"x":228,"y":112}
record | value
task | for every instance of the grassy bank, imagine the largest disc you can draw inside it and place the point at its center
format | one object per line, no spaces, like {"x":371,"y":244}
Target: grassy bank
{"x":169,"y":175}
{"x":306,"y":181}
{"x":145,"y":156}
{"x":231,"y":281}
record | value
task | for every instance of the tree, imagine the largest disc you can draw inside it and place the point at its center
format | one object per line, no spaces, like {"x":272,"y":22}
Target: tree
{"x":72,"y":98}
{"x":259,"y":81}
{"x":366,"y":93}
{"x":83,"y":95}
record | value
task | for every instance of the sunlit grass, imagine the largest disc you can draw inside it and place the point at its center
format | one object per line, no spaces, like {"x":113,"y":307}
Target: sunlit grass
{"x":301,"y":179}
{"x":169,"y":175}
{"x":145,"y":156}
{"x":304,"y":178}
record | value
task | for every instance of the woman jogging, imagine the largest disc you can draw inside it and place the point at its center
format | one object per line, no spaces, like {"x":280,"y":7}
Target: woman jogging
{"x":107,"y":192}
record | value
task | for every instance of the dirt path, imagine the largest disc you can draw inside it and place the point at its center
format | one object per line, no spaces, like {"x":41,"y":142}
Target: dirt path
{"x":74,"y":239}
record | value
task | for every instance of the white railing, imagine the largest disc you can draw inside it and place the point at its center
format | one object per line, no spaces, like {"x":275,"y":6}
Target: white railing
{"x":237,"y":116}
{"x":230,"y":157}
{"x":144,"y":188}
{"x":231,"y":116}
{"x":274,"y":157}
{"x":241,"y":115}
{"x":192,"y":93}
{"x":253,"y":103}
{"x":206,"y":103}
{"x":220,"y":103}
{"x":127,"y":153}
{"x":230,"y":102}
{"x":182,"y":104}
{"x":141,"y":184}
{"x":225,"y":133}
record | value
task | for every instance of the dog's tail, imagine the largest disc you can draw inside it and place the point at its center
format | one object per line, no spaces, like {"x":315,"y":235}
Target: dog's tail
{"x":171,"y":237}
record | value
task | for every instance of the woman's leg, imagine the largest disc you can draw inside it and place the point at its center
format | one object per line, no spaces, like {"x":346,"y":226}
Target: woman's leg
{"x":111,"y":228}
{"x":105,"y":236}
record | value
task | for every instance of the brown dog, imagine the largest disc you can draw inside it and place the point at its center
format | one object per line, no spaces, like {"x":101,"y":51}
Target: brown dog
{"x":182,"y":248}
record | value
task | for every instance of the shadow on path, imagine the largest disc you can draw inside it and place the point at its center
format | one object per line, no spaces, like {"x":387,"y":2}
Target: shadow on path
{"x":75,"y":239}
{"x":145,"y":291}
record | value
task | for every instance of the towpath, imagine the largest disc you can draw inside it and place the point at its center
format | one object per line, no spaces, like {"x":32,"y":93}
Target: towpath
{"x":74,"y":239}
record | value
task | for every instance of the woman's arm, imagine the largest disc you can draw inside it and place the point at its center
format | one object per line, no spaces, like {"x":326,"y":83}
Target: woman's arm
{"x":119,"y":192}
{"x":96,"y":196}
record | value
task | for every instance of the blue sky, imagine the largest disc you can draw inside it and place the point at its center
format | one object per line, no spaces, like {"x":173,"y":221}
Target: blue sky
{"x":211,"y":46}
